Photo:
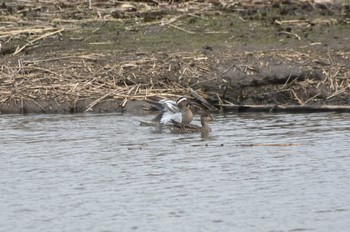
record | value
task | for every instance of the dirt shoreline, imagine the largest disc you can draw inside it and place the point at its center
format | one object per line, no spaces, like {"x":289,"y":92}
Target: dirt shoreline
{"x":69,"y":58}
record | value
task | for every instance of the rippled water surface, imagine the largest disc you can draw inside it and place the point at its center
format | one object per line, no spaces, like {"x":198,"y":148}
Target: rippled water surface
{"x":103,"y":172}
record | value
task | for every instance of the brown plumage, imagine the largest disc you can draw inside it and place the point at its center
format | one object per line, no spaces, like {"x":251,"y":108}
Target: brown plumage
{"x":181,"y":128}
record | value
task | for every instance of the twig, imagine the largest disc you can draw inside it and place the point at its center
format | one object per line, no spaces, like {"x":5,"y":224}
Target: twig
{"x":290,"y":33}
{"x":128,"y":94}
{"x":41,"y":69}
{"x":37,"y":39}
{"x":90,"y":5}
{"x":286,"y":81}
{"x":233,"y":65}
{"x":298,"y":99}
{"x":216,"y":32}
{"x":337,"y":92}
{"x":38,"y":105}
{"x":181,"y":29}
{"x":202,"y":100}
{"x":220,"y":101}
{"x":99,"y":100}
{"x":312,"y":98}
{"x":22,"y":106}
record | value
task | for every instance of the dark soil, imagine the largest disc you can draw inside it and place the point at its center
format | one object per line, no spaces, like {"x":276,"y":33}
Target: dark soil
{"x":107,"y":58}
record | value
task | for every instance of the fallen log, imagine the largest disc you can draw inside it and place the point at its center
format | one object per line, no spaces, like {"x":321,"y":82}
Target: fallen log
{"x":285,"y":108}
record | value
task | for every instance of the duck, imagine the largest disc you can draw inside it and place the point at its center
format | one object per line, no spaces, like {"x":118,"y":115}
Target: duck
{"x":181,"y":128}
{"x":171,"y":111}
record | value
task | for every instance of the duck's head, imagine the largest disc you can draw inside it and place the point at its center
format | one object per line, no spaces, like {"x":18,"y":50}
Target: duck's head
{"x":182,"y":102}
{"x":206,"y":117}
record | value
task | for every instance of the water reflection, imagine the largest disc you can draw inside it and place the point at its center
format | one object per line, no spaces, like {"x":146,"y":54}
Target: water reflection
{"x":255,"y":172}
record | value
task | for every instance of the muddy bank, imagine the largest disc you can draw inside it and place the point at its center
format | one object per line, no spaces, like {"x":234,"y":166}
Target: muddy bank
{"x":69,"y":57}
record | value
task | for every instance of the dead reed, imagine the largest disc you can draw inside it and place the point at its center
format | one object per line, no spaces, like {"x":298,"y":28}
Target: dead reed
{"x":95,"y":77}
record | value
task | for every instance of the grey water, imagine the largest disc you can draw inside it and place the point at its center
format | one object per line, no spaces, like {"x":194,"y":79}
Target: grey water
{"x":103,"y":172}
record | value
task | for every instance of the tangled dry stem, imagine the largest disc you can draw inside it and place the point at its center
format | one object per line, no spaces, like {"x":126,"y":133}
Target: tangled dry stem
{"x":91,"y":76}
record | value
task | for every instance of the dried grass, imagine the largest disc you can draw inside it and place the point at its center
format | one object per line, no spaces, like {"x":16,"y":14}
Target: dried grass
{"x":94,"y":76}
{"x":97,"y":77}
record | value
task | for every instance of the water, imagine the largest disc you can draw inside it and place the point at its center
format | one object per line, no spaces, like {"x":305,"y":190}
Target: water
{"x":256,"y":172}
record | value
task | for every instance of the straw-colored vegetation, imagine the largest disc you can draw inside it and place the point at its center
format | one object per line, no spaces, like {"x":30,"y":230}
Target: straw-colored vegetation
{"x":96,"y":51}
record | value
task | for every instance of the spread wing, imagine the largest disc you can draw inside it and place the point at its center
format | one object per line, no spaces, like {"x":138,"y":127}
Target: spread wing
{"x":168,"y":117}
{"x":169,"y":105}
{"x":170,"y":111}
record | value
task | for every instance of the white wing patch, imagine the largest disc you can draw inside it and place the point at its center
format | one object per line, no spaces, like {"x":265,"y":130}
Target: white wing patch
{"x":169,"y":105}
{"x":168,"y":117}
